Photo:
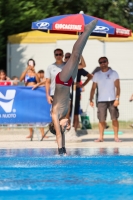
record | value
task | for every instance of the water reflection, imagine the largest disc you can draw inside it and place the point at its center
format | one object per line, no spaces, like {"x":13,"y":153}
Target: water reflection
{"x":99,"y":171}
{"x":72,"y":152}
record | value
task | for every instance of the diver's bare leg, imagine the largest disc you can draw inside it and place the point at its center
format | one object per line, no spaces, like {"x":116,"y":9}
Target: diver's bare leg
{"x":78,"y":47}
{"x":58,"y":131}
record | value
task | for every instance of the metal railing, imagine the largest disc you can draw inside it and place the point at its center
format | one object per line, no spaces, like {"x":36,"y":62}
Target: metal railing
{"x":125,"y":107}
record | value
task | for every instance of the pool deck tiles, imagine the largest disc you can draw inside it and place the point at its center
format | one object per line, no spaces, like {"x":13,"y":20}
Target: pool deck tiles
{"x":17,"y":139}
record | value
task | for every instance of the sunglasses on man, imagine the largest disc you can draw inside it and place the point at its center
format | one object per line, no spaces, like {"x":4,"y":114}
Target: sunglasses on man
{"x":104,"y":61}
{"x":58,"y":54}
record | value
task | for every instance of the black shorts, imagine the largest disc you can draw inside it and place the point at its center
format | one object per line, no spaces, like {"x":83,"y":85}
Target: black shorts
{"x":77,"y":105}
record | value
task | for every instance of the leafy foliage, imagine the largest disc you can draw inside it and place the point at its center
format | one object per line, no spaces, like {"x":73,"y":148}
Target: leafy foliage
{"x":17,"y":15}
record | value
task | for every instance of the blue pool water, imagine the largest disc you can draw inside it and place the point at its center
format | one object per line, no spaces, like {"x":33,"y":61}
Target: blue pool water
{"x":85,"y":174}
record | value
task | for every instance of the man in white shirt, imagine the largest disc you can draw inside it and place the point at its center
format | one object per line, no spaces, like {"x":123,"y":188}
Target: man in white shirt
{"x":107,"y":81}
{"x":51,"y":73}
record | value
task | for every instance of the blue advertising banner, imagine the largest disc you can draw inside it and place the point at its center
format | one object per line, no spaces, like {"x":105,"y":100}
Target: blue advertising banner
{"x":20,"y":104}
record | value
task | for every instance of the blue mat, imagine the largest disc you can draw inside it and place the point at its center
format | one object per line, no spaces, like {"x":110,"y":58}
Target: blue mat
{"x":112,"y":133}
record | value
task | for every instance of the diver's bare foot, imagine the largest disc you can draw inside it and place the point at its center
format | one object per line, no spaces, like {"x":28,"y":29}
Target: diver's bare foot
{"x":98,"y":140}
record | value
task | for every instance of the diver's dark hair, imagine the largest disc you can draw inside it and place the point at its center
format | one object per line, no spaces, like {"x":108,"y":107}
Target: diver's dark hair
{"x":52,"y":129}
{"x":31,"y":60}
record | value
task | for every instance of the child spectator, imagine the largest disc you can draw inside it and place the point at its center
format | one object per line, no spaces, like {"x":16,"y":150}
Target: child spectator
{"x":42,"y":79}
{"x":4,"y":80}
{"x":15,"y":80}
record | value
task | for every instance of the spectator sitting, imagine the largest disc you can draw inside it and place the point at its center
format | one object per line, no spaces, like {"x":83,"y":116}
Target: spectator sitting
{"x":15,"y":80}
{"x":42,"y":79}
{"x":41,"y":75}
{"x":4,"y":80}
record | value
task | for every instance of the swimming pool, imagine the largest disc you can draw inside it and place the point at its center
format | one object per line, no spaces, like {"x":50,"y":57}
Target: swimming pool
{"x":94,"y":174}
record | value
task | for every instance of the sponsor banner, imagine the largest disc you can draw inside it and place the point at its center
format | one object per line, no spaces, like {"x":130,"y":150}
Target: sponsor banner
{"x":78,"y":28}
{"x":68,"y":27}
{"x":123,"y":31}
{"x":20,"y":105}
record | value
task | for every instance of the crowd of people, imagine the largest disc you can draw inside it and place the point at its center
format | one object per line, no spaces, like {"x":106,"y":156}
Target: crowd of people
{"x":5,"y":80}
{"x":30,"y":78}
{"x":59,"y":83}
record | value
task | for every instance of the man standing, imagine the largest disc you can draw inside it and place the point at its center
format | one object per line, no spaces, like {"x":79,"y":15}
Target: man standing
{"x":79,"y":86}
{"x":82,"y":63}
{"x":107,"y":80}
{"x":97,"y":69}
{"x":51,"y":73}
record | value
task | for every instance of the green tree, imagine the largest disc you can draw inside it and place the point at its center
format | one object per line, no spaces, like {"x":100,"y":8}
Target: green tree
{"x":17,"y":15}
{"x":117,"y":11}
